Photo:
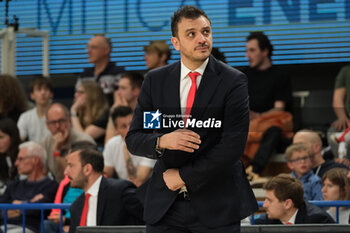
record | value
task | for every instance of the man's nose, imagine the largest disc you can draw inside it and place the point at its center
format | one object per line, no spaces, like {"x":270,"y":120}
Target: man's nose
{"x":264,"y":204}
{"x":65,"y":172}
{"x":201,"y":38}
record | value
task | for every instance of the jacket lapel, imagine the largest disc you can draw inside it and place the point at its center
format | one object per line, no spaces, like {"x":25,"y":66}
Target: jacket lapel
{"x":101,"y":201}
{"x":171,"y":101}
{"x":207,"y":87}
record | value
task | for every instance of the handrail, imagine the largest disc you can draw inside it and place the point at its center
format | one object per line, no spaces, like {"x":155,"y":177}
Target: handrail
{"x":31,"y":206}
{"x":44,"y":206}
{"x":336,"y":204}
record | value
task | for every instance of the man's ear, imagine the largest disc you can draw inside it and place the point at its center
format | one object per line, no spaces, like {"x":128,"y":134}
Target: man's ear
{"x":316,"y":147}
{"x":87,"y":169}
{"x":107,"y":51}
{"x":175,"y":42}
{"x":36,"y":160}
{"x":265,"y":52}
{"x":163,"y":57}
{"x":136,"y":91}
{"x":288,"y":204}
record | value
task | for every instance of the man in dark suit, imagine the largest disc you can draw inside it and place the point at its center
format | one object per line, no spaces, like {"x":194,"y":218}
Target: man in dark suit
{"x":198,"y":183}
{"x":104,"y":201}
{"x":284,"y":204}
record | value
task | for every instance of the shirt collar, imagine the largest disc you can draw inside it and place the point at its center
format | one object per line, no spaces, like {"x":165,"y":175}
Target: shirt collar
{"x":185,"y":70}
{"x":292,"y":219}
{"x":93,"y":190}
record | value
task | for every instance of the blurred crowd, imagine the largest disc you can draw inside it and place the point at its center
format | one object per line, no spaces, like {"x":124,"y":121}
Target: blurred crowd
{"x":50,"y":152}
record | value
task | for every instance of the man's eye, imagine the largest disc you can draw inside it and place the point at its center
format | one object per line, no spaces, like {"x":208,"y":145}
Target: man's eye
{"x":191,"y":34}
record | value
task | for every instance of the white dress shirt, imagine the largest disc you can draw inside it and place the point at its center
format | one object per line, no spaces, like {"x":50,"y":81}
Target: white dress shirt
{"x":292,"y":219}
{"x":185,"y":83}
{"x":92,"y":212}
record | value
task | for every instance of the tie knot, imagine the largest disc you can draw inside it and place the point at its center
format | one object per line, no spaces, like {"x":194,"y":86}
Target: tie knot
{"x":193,"y":76}
{"x":87,"y":196}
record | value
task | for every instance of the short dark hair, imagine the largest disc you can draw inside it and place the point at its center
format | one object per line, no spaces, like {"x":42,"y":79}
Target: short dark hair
{"x":78,"y":145}
{"x":286,"y":187}
{"x":188,"y":12}
{"x":40,"y":82}
{"x":93,"y":157}
{"x":135,"y":78}
{"x":121,"y":111}
{"x":263,"y":41}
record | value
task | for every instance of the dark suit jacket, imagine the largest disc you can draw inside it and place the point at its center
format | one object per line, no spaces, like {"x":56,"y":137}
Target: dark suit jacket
{"x":214,"y":176}
{"x":307,"y":214}
{"x":116,"y":205}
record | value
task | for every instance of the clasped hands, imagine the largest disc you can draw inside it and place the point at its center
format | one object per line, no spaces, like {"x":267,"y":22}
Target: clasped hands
{"x":181,"y":139}
{"x":15,"y":212}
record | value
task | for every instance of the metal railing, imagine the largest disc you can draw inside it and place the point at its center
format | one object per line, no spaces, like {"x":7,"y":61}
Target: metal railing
{"x":33,"y":206}
{"x":45,"y":206}
{"x":336,"y":204}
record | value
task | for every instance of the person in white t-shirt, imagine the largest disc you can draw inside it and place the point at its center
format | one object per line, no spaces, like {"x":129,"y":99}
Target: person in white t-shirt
{"x":32,"y":123}
{"x":118,"y":159}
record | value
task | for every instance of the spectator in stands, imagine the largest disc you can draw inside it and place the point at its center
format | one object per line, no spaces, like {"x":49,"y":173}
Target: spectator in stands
{"x":118,"y":159}
{"x":12,"y":98}
{"x":65,"y":194}
{"x":31,"y":124}
{"x":126,"y":95}
{"x":90,"y":104}
{"x":270,"y":99}
{"x":284,"y":204}
{"x":104,"y":72}
{"x":36,"y":188}
{"x":341,"y":106}
{"x":9,"y":141}
{"x":61,"y":136}
{"x":157,"y":54}
{"x":299,"y":161}
{"x":105,"y":201}
{"x":336,"y":186}
{"x":313,"y":140}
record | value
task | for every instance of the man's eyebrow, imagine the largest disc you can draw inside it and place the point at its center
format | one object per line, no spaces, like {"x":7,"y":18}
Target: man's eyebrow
{"x":190,"y":29}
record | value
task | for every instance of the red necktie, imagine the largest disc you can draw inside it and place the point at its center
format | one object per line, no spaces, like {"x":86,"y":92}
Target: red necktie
{"x":85,"y":210}
{"x":289,"y":223}
{"x":191,"y":93}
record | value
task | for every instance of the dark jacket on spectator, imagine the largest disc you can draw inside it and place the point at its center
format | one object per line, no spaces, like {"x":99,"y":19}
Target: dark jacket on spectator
{"x":307,"y":214}
{"x":116,"y":205}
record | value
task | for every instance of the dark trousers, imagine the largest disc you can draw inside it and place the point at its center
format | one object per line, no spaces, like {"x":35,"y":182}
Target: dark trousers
{"x":269,"y":143}
{"x":181,"y":218}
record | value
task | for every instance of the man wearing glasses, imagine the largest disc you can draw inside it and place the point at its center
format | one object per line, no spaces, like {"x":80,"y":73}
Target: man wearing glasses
{"x":299,"y":161}
{"x":61,"y":136}
{"x":35,"y":188}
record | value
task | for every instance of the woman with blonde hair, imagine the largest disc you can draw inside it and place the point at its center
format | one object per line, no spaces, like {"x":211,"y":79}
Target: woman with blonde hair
{"x":89,"y":107}
{"x":336,"y":186}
